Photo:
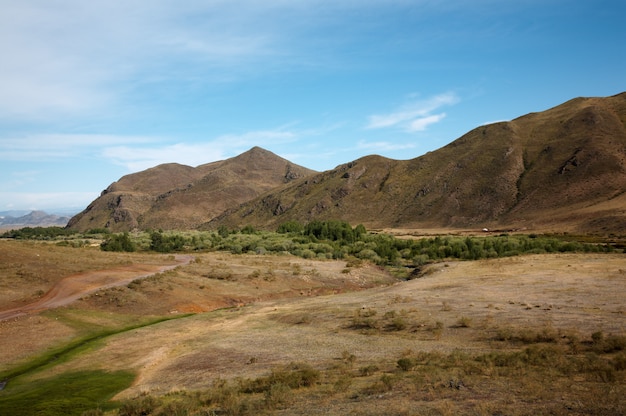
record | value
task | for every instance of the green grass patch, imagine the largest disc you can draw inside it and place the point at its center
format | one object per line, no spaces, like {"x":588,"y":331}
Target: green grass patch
{"x":61,"y":354}
{"x":65,"y":394}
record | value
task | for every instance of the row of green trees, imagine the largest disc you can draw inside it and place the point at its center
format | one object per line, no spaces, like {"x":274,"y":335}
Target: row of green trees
{"x":337,"y":239}
{"x":329,"y":240}
{"x":37,"y":233}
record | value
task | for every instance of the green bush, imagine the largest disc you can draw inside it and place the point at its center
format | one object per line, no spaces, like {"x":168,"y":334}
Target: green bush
{"x":118,"y":242}
{"x":166,"y":243}
{"x":290,"y":227}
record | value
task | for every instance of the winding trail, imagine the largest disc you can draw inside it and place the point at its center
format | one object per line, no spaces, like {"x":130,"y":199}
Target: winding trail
{"x":76,"y":286}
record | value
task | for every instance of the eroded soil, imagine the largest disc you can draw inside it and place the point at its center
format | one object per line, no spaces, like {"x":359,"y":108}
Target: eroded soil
{"x":76,"y":286}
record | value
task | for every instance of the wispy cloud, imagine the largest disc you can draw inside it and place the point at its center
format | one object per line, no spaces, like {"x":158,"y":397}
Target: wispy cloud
{"x":415,"y":116}
{"x":141,"y":152}
{"x":420,"y":124}
{"x":76,"y":57}
{"x":44,"y":200}
{"x":58,"y":146}
{"x":65,"y":60}
{"x":139,"y":157}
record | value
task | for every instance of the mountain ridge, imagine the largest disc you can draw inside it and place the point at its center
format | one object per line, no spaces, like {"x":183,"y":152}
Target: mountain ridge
{"x":563,"y":168}
{"x":34,"y":218}
{"x":148,"y":198}
{"x":541,"y":170}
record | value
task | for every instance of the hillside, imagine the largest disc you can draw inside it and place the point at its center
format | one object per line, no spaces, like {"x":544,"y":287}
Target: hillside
{"x":561,"y":169}
{"x":173,"y":196}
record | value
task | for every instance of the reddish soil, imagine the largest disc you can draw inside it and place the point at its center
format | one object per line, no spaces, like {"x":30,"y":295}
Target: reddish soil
{"x":74,"y":287}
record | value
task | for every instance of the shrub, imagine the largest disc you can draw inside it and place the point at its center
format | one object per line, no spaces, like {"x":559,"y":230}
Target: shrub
{"x":277,"y":394}
{"x":608,"y":344}
{"x":223,"y":231}
{"x":290,"y":227}
{"x":144,"y":405}
{"x":464,"y":322}
{"x":294,"y":376}
{"x":118,"y":242}
{"x":166,"y":243}
{"x":406,"y":363}
{"x":398,"y":323}
{"x":368,"y":370}
{"x":248,"y":229}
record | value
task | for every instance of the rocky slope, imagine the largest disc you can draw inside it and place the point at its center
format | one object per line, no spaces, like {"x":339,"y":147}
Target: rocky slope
{"x":173,"y":196}
{"x":561,"y":169}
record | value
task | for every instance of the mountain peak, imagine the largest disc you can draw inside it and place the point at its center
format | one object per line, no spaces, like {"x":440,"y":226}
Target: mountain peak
{"x":147,"y":199}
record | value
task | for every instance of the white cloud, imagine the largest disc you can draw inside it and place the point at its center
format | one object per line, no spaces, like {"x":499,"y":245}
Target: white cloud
{"x":75,"y":57}
{"x":420,"y":124}
{"x":139,"y":158}
{"x":415,"y":116}
{"x":57,"y":146}
{"x":136,"y":158}
{"x":45,"y":200}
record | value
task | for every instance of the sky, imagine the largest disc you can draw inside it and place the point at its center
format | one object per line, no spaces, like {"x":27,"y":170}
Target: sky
{"x":91,"y":91}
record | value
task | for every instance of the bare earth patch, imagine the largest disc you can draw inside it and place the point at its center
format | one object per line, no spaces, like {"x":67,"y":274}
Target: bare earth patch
{"x":76,"y":286}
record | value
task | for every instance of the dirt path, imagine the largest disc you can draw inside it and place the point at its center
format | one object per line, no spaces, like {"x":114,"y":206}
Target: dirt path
{"x":74,"y":287}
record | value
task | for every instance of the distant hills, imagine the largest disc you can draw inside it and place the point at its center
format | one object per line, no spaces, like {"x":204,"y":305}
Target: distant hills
{"x":17,"y":219}
{"x":561,"y":169}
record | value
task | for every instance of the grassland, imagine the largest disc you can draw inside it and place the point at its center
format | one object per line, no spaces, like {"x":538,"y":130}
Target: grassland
{"x":285,"y":334}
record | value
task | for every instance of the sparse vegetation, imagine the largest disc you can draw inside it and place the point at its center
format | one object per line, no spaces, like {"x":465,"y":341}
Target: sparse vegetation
{"x":432,"y":351}
{"x":337,"y":240}
{"x":420,"y":381}
{"x":333,"y":240}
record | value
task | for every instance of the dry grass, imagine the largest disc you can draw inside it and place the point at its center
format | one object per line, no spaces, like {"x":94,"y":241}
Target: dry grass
{"x":527,"y":335}
{"x":30,"y":268}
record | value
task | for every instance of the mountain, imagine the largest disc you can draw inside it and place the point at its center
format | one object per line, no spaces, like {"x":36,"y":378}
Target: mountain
{"x":174,"y":196}
{"x":561,"y":169}
{"x":32,"y":219}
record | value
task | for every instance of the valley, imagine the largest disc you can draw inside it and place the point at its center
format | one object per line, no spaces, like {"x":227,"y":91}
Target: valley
{"x":484,"y":278}
{"x":530,"y":334}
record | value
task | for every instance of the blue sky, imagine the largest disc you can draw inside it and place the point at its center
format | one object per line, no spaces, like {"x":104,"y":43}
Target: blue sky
{"x":93,"y":90}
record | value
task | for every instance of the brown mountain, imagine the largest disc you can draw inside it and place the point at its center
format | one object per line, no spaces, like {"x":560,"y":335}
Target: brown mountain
{"x":561,"y":169}
{"x":173,"y":196}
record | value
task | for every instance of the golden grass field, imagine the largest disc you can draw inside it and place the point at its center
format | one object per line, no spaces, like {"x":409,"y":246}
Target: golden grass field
{"x":536,"y":334}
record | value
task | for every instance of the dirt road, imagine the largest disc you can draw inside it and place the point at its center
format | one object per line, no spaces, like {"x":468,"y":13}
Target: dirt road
{"x":74,"y":287}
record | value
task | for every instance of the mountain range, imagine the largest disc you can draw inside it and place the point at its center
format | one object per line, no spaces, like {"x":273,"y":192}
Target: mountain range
{"x":18,"y":219}
{"x":561,"y":169}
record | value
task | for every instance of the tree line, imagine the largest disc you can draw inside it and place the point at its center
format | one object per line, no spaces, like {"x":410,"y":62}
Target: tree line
{"x":332,"y":239}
